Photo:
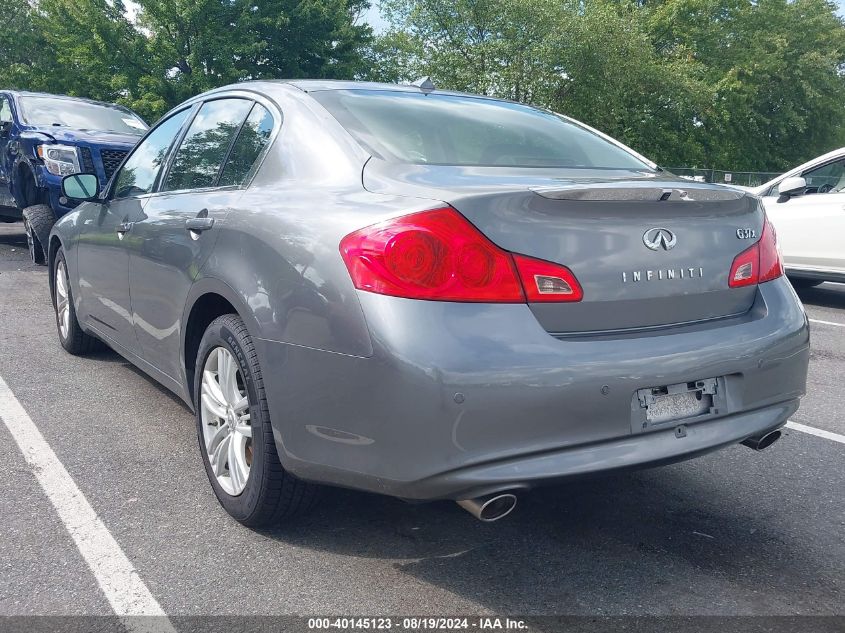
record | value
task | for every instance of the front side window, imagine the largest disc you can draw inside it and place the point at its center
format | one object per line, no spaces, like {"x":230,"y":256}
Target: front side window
{"x":439,"y":129}
{"x":200,"y":156}
{"x":829,"y":178}
{"x":80,"y":115}
{"x":5,"y":110}
{"x":252,"y":139}
{"x":139,"y":172}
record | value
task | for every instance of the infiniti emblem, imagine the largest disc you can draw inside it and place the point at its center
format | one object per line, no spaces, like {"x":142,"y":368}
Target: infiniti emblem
{"x":658,"y":237}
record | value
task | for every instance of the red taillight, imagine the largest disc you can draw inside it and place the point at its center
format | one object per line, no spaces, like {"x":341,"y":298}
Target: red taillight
{"x":759,"y":263}
{"x":771,"y":262}
{"x":439,"y":255}
{"x":430,"y":255}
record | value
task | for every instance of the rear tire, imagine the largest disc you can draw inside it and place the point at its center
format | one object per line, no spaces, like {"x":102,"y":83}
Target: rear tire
{"x":37,"y":221}
{"x":71,"y":336}
{"x":233,"y":423}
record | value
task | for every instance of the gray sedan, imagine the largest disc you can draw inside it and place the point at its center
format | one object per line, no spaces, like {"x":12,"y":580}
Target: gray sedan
{"x":426,"y":294}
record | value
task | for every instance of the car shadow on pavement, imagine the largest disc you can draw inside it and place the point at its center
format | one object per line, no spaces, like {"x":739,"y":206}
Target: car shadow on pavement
{"x":114,"y":357}
{"x":14,"y":239}
{"x":829,"y":295}
{"x":637,"y":538}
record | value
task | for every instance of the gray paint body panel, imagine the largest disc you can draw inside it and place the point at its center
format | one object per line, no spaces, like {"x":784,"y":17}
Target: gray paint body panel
{"x":362,"y":387}
{"x":524,"y":392}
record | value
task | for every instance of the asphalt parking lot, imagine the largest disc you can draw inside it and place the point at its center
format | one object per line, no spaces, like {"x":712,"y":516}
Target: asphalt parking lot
{"x":731,"y":533}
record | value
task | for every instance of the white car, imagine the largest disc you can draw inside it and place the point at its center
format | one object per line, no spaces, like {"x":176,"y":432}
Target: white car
{"x":807,"y":207}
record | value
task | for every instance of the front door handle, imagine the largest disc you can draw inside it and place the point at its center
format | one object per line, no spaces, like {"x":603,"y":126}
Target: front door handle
{"x":122,"y":229}
{"x":199,"y":224}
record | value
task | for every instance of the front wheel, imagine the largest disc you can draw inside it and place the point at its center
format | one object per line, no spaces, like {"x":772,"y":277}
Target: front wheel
{"x":234,"y":431}
{"x":71,"y":336}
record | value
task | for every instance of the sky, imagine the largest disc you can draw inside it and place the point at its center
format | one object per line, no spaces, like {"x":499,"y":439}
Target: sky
{"x":373,"y":17}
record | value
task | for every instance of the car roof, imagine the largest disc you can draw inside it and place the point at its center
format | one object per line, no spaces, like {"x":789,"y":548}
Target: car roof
{"x":318,"y":85}
{"x":313,"y":85}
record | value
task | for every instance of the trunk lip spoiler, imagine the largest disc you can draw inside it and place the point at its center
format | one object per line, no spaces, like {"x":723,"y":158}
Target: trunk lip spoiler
{"x":637,"y":192}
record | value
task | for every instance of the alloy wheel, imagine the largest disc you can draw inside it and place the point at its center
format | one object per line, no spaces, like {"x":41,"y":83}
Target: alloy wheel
{"x":226,"y":426}
{"x":62,"y":299}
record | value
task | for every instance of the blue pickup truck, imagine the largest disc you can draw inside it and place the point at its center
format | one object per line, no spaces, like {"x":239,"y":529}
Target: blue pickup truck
{"x":45,"y":137}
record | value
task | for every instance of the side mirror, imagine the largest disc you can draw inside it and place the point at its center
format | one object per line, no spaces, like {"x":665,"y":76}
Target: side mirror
{"x":792,"y":186}
{"x":82,"y":187}
{"x":5,"y":128}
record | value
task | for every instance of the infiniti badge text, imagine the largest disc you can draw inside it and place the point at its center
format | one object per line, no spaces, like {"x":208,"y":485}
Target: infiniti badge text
{"x":663,"y":274}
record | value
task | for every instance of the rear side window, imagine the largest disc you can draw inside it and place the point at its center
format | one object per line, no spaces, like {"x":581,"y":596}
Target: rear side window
{"x":140,"y":170}
{"x":439,"y":129}
{"x":251,"y":141}
{"x":201,"y":154}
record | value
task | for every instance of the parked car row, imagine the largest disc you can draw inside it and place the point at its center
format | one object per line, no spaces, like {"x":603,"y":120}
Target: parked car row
{"x":425,"y":294}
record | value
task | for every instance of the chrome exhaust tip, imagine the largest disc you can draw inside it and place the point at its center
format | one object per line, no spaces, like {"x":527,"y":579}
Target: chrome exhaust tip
{"x":763,"y":441}
{"x":491,"y":507}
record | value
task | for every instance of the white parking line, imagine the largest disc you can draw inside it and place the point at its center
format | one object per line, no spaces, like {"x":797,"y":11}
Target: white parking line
{"x":120,"y":582}
{"x":827,"y":322}
{"x":811,"y":430}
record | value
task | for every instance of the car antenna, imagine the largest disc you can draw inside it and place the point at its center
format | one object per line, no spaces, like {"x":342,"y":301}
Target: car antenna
{"x":425,"y":84}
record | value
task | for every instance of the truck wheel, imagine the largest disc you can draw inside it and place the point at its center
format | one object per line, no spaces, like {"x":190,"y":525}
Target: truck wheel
{"x":37,"y":221}
{"x":71,"y":336}
{"x":235,"y":435}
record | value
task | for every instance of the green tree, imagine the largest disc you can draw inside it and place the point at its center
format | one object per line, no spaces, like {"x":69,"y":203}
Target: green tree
{"x":96,"y":51}
{"x":78,"y":47}
{"x":737,"y":84}
{"x":26,"y":62}
{"x":775,"y":72}
{"x":593,"y":61}
{"x":174,"y":49}
{"x":201,"y":44}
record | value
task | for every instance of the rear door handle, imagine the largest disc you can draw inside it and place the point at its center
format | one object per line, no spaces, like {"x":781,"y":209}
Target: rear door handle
{"x":199,"y":224}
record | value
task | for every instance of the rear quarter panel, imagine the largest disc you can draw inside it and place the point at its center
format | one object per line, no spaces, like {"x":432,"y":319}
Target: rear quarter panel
{"x":278,"y":249}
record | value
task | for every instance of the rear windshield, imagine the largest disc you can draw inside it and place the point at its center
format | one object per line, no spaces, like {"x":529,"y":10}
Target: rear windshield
{"x":79,"y":115}
{"x":436,"y":129}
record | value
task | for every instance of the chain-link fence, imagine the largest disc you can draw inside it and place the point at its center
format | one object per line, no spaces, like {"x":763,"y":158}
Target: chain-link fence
{"x":745,"y":178}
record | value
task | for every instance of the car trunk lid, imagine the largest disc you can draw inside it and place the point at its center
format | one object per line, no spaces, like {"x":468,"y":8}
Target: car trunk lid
{"x":648,"y":249}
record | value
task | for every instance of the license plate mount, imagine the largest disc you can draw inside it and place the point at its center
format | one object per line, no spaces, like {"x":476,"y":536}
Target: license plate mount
{"x":679,"y":402}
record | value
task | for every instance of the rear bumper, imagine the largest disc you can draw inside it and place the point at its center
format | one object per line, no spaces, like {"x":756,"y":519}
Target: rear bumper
{"x":462,"y":399}
{"x":627,"y":453}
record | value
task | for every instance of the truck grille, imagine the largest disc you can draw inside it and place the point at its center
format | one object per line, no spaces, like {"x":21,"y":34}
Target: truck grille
{"x":87,"y":161}
{"x":111,"y":160}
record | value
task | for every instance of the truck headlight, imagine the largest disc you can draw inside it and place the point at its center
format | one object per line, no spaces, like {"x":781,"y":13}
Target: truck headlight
{"x":60,"y":160}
